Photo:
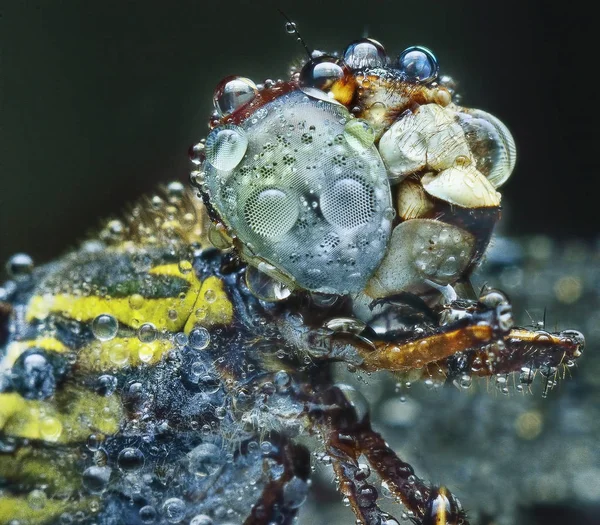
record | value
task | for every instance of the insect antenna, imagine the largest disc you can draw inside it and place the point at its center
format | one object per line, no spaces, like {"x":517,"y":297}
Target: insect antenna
{"x":291,"y":28}
{"x":544,"y":318}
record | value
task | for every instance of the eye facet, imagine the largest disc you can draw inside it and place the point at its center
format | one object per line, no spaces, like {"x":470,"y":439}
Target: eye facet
{"x":365,"y":53}
{"x":233,"y":93}
{"x":418,"y":64}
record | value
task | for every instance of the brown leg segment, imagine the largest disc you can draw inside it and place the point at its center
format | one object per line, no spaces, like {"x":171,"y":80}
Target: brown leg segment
{"x":346,"y":439}
{"x":283,"y":496}
{"x":429,"y":505}
{"x":476,"y":330}
{"x":342,"y":448}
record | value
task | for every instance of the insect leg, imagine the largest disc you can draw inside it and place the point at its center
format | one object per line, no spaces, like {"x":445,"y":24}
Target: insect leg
{"x":347,"y":437}
{"x":429,"y":505}
{"x":284,"y":494}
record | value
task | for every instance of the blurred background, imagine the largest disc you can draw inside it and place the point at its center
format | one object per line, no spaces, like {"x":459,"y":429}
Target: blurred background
{"x":99,"y":102}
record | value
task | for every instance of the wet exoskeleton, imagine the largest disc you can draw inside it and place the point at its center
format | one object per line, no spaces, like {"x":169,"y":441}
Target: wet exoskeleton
{"x":174,"y":369}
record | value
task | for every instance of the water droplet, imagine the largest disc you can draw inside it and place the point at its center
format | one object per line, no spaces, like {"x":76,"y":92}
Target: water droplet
{"x":356,"y":399}
{"x":107,"y":384}
{"x":418,"y":64}
{"x":466,"y":381}
{"x":226,"y":147}
{"x":95,"y":479}
{"x":105,"y":327}
{"x":36,"y":499}
{"x":130,"y":459}
{"x":265,"y":287}
{"x":232,"y":93}
{"x":365,"y":53}
{"x":210,"y":296}
{"x":136,"y":301}
{"x":93,"y":442}
{"x":174,"y":510}
{"x":50,"y":428}
{"x":282,"y":381}
{"x":363,"y":472}
{"x":118,"y":354}
{"x":366,"y":496}
{"x":290,"y":27}
{"x":181,"y":339}
{"x":147,"y":514}
{"x":185,"y":266}
{"x":147,"y":333}
{"x":321,"y":73}
{"x":19,"y":266}
{"x":359,"y":134}
{"x":205,"y":460}
{"x":199,"y":338}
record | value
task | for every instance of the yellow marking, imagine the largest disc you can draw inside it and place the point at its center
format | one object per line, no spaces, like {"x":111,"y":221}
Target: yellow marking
{"x":169,"y":313}
{"x":212,"y":306}
{"x":16,"y":348}
{"x":343,"y":90}
{"x":440,"y":507}
{"x":35,"y":467}
{"x":71,"y":416}
{"x":121,"y":352}
{"x":14,"y":509}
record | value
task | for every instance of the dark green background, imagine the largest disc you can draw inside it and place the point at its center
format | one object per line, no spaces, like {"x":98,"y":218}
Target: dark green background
{"x":100,"y":100}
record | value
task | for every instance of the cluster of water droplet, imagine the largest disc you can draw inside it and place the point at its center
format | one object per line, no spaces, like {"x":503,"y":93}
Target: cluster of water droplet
{"x":302,"y":186}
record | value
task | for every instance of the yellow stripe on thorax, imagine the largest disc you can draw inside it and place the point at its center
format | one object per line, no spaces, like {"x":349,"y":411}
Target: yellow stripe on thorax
{"x":166,"y":313}
{"x":16,"y":348}
{"x":212,"y":306}
{"x":120,"y":352}
{"x":71,"y":416}
{"x":35,"y":466}
{"x":15,"y":509}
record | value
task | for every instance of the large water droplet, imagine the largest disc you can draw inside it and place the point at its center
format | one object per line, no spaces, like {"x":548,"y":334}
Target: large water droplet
{"x":232,"y":93}
{"x":199,"y":338}
{"x":356,"y":399}
{"x":130,"y":459}
{"x":418,"y":64}
{"x":19,"y":266}
{"x":95,"y":479}
{"x":205,"y":460}
{"x":365,"y":53}
{"x":264,"y":287}
{"x":226,"y":147}
{"x":321,"y":73}
{"x":105,"y":327}
{"x":174,"y":510}
{"x":148,"y":514}
{"x":37,"y":499}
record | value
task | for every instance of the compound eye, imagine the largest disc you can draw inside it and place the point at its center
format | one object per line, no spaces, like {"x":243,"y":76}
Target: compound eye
{"x":418,"y":64}
{"x":232,"y":93}
{"x":302,"y":187}
{"x":365,"y":53}
{"x":321,"y":73}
